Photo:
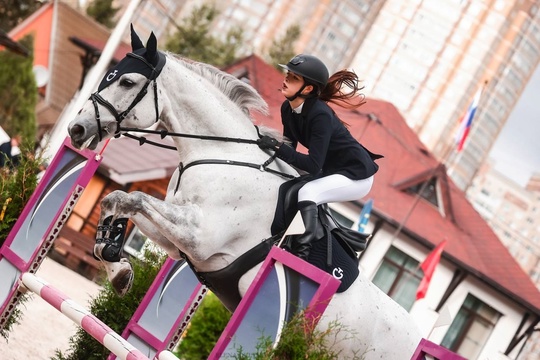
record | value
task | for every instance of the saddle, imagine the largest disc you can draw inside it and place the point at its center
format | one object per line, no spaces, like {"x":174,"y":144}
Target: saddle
{"x":336,"y":248}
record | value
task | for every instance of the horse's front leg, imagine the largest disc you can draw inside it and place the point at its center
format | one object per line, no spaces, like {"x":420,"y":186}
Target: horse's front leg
{"x":157,"y":219}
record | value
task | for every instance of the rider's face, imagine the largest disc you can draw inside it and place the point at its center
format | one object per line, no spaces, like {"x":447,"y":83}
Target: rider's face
{"x":291,"y":84}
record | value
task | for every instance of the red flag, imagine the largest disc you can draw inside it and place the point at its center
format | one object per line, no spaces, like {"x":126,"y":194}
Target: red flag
{"x":428,"y":265}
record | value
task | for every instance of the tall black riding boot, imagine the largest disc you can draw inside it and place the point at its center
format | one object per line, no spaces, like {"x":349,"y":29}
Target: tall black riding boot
{"x":301,"y":245}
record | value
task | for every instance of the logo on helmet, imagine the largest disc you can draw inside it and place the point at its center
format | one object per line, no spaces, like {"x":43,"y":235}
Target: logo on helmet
{"x":310,"y":68}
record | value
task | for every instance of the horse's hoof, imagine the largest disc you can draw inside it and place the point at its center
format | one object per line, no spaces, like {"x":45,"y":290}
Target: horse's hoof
{"x":98,"y":249}
{"x":106,"y":252}
{"x":122,"y":279}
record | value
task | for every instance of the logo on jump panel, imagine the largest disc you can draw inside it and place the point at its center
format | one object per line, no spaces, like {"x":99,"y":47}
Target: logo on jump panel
{"x":112,"y":75}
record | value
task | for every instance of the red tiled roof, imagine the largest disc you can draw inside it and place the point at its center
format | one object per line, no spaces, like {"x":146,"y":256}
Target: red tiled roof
{"x":378,"y":125}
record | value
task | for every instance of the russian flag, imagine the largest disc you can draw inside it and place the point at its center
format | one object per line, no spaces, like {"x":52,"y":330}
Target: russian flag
{"x":466,"y":121}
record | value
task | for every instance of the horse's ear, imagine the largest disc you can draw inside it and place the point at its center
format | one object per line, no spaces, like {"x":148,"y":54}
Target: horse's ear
{"x":136,"y":42}
{"x":151,"y":47}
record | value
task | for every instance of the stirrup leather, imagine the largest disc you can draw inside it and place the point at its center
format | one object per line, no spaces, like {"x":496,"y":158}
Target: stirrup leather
{"x":114,"y":241}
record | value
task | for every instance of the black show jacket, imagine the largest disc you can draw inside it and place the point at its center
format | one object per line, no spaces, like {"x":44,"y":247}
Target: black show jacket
{"x":331,"y":147}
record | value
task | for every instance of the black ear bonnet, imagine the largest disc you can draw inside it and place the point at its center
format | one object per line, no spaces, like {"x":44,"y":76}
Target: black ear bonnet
{"x":147,"y":61}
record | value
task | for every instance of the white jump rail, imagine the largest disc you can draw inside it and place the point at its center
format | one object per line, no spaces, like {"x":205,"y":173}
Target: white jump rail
{"x":91,"y":324}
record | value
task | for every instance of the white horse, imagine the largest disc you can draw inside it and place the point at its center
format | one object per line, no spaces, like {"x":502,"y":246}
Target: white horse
{"x":217,"y":210}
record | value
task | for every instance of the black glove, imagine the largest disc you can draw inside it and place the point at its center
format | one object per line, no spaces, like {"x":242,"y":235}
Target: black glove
{"x":267,"y":142}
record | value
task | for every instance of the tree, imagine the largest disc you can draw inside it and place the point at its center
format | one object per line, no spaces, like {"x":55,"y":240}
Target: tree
{"x":282,"y":49}
{"x":103,"y":12}
{"x":12,"y":12}
{"x":18,"y":92}
{"x":192,"y":39}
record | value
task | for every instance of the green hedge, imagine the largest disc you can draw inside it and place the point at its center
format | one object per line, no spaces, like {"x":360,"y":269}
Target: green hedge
{"x":204,"y":329}
{"x":16,"y":188}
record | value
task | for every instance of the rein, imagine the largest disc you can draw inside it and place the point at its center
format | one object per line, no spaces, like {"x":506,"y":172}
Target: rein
{"x":96,"y":99}
{"x":163,"y":133}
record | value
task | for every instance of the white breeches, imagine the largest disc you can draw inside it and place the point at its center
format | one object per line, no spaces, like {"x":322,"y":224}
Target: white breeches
{"x":334,"y":188}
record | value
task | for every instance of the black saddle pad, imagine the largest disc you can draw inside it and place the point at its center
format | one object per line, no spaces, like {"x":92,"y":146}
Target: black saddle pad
{"x":342,"y":266}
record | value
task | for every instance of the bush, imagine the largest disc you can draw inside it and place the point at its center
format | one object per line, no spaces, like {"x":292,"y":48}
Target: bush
{"x":298,"y":340}
{"x":204,"y":329}
{"x":113,"y":310}
{"x":16,"y":188}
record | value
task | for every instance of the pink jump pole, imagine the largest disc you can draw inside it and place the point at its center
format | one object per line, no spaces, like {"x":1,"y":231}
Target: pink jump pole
{"x":91,"y":324}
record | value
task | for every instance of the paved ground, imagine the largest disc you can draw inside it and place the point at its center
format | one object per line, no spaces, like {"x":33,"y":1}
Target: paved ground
{"x":44,"y":329}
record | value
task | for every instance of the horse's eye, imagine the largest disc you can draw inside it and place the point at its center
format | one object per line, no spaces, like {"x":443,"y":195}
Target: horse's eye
{"x":127,"y":83}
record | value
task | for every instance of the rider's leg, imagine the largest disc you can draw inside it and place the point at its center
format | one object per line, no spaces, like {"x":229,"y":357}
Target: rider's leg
{"x":332,"y":188}
{"x":302,"y":244}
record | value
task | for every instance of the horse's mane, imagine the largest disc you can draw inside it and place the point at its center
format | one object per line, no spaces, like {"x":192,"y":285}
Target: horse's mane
{"x":241,"y":93}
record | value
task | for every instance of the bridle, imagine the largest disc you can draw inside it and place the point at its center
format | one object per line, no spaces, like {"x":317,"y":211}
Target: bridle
{"x":120,"y":116}
{"x":96,"y":99}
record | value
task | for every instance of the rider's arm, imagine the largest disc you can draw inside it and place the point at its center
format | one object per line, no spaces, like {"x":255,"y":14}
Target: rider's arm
{"x":319,"y":141}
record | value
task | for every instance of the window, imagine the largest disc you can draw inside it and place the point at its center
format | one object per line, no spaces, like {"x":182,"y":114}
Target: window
{"x":399,"y":277}
{"x":427,"y":190}
{"x":471,"y":328}
{"x":135,"y":242}
{"x":89,"y":200}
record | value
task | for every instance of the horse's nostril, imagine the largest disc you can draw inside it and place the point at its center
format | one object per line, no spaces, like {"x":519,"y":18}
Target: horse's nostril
{"x":76,"y":131}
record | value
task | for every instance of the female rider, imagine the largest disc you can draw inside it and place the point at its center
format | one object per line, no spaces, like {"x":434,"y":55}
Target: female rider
{"x":341,"y":167}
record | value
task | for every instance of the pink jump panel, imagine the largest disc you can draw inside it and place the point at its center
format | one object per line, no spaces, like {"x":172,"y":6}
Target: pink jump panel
{"x":284,"y":282}
{"x":438,"y":352}
{"x":42,"y":218}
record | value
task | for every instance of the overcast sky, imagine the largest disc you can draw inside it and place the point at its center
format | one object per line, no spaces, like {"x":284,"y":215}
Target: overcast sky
{"x":517,"y":149}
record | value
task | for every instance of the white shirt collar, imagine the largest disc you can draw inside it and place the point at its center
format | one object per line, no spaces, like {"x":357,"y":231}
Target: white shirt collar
{"x":298,"y":109}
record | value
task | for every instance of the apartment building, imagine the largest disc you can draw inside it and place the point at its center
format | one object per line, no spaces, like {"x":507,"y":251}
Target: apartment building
{"x":512,"y":211}
{"x":429,"y":58}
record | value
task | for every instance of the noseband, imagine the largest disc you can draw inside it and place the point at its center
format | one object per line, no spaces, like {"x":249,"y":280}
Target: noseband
{"x":120,"y":116}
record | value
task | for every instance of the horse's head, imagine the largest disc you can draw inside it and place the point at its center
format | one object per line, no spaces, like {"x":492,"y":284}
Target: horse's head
{"x":120,"y":98}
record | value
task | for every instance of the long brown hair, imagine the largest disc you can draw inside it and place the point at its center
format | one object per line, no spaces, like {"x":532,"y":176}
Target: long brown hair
{"x":336,"y":92}
{"x":343,"y":89}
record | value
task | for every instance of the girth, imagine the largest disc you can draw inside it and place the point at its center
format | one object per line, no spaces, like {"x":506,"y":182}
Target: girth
{"x":224,"y":282}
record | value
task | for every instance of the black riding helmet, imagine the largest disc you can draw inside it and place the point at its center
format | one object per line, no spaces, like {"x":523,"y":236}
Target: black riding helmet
{"x":310,"y":68}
